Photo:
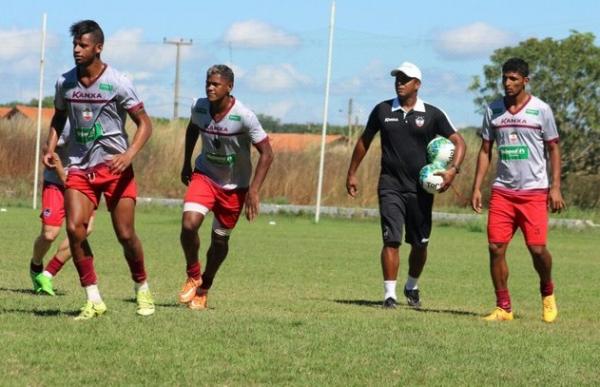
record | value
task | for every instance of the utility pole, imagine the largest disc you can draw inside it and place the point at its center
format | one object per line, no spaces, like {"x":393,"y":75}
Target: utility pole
{"x":178,"y":43}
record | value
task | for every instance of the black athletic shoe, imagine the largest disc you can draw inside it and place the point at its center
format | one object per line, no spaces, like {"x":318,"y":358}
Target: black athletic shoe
{"x":389,"y":303}
{"x":412,"y":297}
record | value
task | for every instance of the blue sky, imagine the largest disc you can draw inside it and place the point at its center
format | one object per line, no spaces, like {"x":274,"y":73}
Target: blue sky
{"x":278,"y":49}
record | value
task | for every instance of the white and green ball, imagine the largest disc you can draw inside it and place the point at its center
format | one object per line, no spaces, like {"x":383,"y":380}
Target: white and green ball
{"x":440,"y":150}
{"x":428,"y":178}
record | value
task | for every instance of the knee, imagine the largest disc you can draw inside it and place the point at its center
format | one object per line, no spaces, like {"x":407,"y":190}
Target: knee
{"x":76,"y":231}
{"x":219,"y":239}
{"x":50,"y":235}
{"x":496,"y":250}
{"x":190,"y":225}
{"x":537,"y":251}
{"x":126,"y":236}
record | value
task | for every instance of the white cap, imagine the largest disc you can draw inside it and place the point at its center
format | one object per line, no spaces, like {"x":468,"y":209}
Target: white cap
{"x":409,"y":69}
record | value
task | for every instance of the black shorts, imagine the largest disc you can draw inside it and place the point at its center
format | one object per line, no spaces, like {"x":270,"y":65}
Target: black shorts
{"x":405,"y":208}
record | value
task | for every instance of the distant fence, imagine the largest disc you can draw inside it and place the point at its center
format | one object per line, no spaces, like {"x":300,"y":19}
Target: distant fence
{"x":345,"y":212}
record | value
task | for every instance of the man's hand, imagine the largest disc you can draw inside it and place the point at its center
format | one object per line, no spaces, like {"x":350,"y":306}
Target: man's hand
{"x":119,"y":163}
{"x":476,"y":201}
{"x":352,"y":185}
{"x":186,"y":174}
{"x":48,"y":160}
{"x":555,"y":200}
{"x":448,"y":176}
{"x":252,"y":205}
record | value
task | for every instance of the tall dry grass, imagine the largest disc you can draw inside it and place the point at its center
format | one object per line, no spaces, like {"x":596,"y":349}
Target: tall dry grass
{"x":292,"y":178}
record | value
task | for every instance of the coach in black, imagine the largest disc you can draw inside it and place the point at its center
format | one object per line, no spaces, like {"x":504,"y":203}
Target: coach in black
{"x":407,"y":124}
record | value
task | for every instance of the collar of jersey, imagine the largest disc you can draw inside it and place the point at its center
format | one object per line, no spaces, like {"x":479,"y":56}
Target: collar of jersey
{"x":419,"y":106}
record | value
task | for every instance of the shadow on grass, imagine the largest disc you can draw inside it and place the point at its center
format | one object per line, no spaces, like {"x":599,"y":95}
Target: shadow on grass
{"x":22,"y":291}
{"x":41,"y":313}
{"x":30,"y":291}
{"x":377,"y":304}
{"x":162,"y":305}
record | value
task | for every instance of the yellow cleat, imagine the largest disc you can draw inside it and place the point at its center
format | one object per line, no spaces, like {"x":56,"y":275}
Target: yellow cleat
{"x":199,"y":302}
{"x":188,"y":290}
{"x":145,"y":303}
{"x":549,"y":311}
{"x":91,"y":310}
{"x":499,"y":314}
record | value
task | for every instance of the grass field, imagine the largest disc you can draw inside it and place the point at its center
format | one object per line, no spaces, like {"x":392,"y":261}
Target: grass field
{"x":299,"y":304}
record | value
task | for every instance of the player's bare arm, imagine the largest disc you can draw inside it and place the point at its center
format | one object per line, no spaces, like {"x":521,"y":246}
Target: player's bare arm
{"x":56,"y":127}
{"x":262,"y":167}
{"x":460,"y":149}
{"x":483,"y":162}
{"x":555,"y":199}
{"x":360,"y":150}
{"x":121,"y":162}
{"x":191,"y":137}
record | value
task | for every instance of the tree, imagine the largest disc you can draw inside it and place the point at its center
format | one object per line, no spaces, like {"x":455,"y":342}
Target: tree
{"x":565,"y":74}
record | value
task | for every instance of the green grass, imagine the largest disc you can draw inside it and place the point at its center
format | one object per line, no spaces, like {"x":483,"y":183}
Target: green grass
{"x":298,"y":304}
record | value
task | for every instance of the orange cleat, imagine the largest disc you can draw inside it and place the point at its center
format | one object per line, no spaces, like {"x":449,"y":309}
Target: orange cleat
{"x":200,"y":301}
{"x":188,"y":290}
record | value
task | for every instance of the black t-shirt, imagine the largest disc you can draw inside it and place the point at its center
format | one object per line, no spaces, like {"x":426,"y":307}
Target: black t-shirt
{"x":404,"y":139}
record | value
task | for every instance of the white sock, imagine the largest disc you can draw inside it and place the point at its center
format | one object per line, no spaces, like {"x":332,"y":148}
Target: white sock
{"x":141,"y":286}
{"x":389,"y":288}
{"x":47,"y":274}
{"x":93,"y":294}
{"x":411,"y":283}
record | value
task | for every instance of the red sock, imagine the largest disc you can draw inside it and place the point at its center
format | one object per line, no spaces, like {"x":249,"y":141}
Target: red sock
{"x":503,"y":299}
{"x":547,"y":289}
{"x":193,"y":270}
{"x":85,"y":268}
{"x":54,"y":266}
{"x":136,"y":267}
{"x":35,"y":268}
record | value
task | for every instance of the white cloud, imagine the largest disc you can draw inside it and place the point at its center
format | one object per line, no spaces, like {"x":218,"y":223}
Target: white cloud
{"x":268,"y":78}
{"x":127,"y":48}
{"x":21,"y":50}
{"x":374,"y":77}
{"x":471,"y":41}
{"x":257,"y":34}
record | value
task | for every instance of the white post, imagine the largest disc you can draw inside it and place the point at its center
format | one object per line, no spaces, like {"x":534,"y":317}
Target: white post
{"x":39,"y":115}
{"x":325,"y":114}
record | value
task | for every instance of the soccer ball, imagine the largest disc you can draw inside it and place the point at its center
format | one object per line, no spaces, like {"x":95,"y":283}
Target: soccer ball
{"x":428,"y":178}
{"x":440,"y":150}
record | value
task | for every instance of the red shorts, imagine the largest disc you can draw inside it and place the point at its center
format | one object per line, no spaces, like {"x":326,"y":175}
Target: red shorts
{"x":53,"y":204}
{"x":226,"y":204}
{"x":508,"y":211}
{"x":99,"y":180}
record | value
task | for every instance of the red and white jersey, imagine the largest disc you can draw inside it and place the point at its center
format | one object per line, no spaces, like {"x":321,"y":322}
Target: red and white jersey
{"x":226,"y":143}
{"x":520,"y":139}
{"x":97,"y":115}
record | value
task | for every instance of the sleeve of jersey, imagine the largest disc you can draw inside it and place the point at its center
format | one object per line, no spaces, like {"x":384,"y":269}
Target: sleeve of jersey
{"x":127,"y":96}
{"x":444,"y":125}
{"x":486,"y":126}
{"x":550,"y":131}
{"x":373,"y":124}
{"x":59,"y":98}
{"x":255,"y":129}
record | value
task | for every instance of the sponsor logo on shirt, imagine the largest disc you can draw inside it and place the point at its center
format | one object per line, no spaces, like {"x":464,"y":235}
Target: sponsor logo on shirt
{"x":533,"y":112}
{"x":87,"y":114}
{"x":86,"y":95}
{"x":513,"y":121}
{"x":221,"y":159}
{"x":391,"y":119}
{"x":87,"y":135}
{"x":106,"y":87}
{"x":420,"y":121}
{"x":513,"y":152}
{"x":234,"y":117}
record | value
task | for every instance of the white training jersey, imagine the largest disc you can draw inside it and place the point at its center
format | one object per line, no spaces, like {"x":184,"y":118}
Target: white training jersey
{"x":226,"y":141}
{"x":50,"y":175}
{"x":520,"y":139}
{"x":97,"y":115}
